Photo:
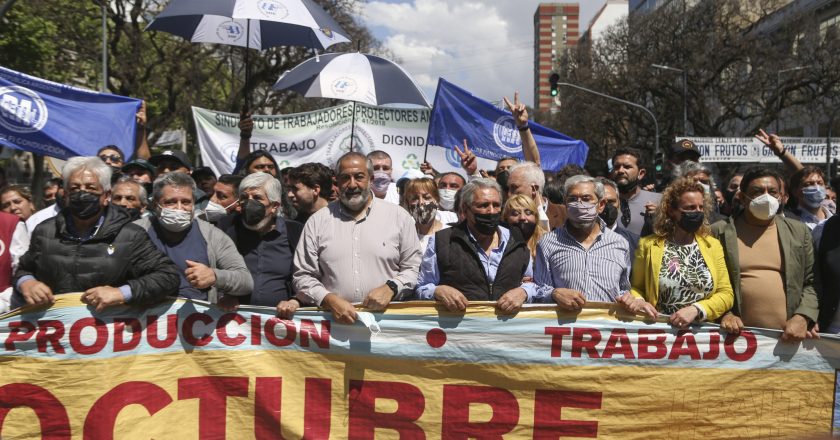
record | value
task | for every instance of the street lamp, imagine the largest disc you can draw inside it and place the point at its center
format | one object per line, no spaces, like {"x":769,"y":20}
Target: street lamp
{"x":685,"y":92}
{"x":632,"y":104}
{"x":779,"y":88}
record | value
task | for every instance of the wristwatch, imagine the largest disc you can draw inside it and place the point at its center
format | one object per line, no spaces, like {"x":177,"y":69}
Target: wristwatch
{"x":393,"y":286}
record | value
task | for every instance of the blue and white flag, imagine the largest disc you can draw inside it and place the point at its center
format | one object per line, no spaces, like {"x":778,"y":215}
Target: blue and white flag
{"x":491,"y":132}
{"x":61,"y":121}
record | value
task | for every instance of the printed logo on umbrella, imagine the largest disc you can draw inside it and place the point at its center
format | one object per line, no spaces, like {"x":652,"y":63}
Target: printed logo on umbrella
{"x":229,"y":31}
{"x":344,"y":86}
{"x":506,"y":135}
{"x":273,"y":9}
{"x":328,"y":33}
{"x":22,"y":110}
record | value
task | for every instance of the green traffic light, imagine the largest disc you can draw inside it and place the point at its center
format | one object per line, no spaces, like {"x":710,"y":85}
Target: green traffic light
{"x":659,"y":168}
{"x":553,"y":92}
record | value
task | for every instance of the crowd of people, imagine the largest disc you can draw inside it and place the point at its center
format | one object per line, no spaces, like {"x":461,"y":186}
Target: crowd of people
{"x":761,"y":249}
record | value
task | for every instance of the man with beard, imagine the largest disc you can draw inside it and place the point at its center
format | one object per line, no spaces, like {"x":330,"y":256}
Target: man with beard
{"x":359,"y":249}
{"x":309,"y":189}
{"x":636,"y":203}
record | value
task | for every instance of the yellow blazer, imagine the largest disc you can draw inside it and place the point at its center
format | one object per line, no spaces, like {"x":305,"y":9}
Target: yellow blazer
{"x":644,"y":279}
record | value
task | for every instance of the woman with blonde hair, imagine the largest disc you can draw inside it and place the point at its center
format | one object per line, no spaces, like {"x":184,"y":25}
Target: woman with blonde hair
{"x":422,"y":200}
{"x":680,"y":270}
{"x":520,"y":212}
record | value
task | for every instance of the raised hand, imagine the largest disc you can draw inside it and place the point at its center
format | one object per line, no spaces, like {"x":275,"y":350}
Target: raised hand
{"x":468,"y":160}
{"x":773,"y":141}
{"x":520,"y":113}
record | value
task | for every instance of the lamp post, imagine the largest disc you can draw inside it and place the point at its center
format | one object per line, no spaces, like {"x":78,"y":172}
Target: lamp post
{"x":779,"y":88}
{"x":613,"y":98}
{"x":104,"y":47}
{"x":685,"y":92}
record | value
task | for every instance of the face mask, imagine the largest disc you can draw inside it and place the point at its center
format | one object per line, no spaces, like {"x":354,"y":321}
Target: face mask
{"x":487,"y":223}
{"x":627,"y":187}
{"x":581,"y":214}
{"x":84,"y":205}
{"x":381,"y":180}
{"x":447,"y":199}
{"x":526,"y":228}
{"x":214,"y":211}
{"x":253,"y":214}
{"x":729,"y":196}
{"x":764,"y":207}
{"x":48,"y":203}
{"x":174,"y":220}
{"x":423,"y":213}
{"x":813,"y":196}
{"x":691,"y":221}
{"x":609,"y":214}
{"x":134,"y":213}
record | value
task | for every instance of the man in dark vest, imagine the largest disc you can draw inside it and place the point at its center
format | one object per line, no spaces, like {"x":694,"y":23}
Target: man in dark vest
{"x":477,"y":260}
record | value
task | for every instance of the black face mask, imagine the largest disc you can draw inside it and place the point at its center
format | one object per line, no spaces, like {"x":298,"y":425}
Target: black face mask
{"x":253,"y":212}
{"x":625,"y":188}
{"x":609,"y":214}
{"x":526,"y":228}
{"x":729,"y":195}
{"x":487,"y":223}
{"x":691,"y":221}
{"x":134,"y":213}
{"x":84,"y":205}
{"x":48,"y":203}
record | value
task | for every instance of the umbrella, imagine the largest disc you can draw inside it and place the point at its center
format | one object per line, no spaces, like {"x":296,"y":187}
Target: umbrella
{"x":354,"y":77}
{"x":252,"y":24}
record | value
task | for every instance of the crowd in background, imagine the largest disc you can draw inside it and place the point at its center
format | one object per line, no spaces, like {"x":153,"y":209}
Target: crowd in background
{"x":760,"y":248}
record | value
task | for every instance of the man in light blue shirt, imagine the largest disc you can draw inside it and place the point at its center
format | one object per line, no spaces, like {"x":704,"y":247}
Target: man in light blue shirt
{"x":477,"y":260}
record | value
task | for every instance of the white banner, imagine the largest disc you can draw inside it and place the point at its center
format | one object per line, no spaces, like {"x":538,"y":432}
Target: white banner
{"x":807,"y":150}
{"x":324,"y":135}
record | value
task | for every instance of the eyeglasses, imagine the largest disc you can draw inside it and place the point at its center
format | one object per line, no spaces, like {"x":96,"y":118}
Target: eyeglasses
{"x":112,"y":158}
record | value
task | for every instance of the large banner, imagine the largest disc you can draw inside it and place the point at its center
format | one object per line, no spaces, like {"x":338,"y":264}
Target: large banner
{"x":492,"y":132}
{"x":807,"y":150}
{"x":324,"y":135}
{"x":62,"y":121}
{"x":186,"y":370}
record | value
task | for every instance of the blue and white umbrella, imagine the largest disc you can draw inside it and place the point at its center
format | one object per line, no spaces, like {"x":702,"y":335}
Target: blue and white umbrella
{"x":254,"y":24}
{"x":354,"y":77}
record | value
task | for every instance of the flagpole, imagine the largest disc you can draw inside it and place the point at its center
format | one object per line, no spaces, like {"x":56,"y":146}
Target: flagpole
{"x":353,"y":126}
{"x":247,"y":64}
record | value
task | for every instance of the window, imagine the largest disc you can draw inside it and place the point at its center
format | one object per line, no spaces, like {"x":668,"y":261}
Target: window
{"x":829,"y":25}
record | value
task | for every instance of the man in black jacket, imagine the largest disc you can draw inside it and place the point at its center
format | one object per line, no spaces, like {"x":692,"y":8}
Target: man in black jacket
{"x":91,"y":247}
{"x":477,"y":260}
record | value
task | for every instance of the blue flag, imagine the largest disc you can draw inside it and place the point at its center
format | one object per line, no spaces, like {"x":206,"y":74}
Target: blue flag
{"x":62,"y":121}
{"x":491,"y":132}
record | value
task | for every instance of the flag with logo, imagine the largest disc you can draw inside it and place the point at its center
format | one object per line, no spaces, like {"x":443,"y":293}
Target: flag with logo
{"x":62,"y":121}
{"x":491,"y":132}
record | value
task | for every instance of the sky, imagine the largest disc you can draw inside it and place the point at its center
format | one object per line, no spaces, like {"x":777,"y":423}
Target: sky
{"x":484,"y":46}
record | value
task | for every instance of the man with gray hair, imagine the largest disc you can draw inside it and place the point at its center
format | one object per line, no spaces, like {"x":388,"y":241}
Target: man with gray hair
{"x":359,"y":249}
{"x":584,"y":260}
{"x":610,"y":214}
{"x":527,"y":178}
{"x":131,"y":195}
{"x":209,"y":265}
{"x":91,"y":247}
{"x":477,"y":259}
{"x":265,"y":239}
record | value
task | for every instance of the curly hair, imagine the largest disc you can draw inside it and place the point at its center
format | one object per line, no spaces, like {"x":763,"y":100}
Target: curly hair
{"x":524,"y":202}
{"x":663,"y":226}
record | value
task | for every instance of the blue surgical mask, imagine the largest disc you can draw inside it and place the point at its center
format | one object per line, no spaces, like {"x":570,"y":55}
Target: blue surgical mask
{"x":813,"y":196}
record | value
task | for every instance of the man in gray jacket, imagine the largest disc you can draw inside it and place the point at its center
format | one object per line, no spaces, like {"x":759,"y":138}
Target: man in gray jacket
{"x":210,"y":266}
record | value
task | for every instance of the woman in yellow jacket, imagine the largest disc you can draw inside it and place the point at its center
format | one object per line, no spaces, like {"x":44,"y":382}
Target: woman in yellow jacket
{"x":680,"y":270}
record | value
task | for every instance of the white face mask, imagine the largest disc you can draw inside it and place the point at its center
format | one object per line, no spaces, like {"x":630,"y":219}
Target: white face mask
{"x":380,"y":182}
{"x":214,"y":211}
{"x":174,"y":220}
{"x":447,"y":199}
{"x":764,"y":207}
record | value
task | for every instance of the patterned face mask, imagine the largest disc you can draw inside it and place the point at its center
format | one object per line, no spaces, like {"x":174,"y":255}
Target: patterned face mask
{"x":423,"y":213}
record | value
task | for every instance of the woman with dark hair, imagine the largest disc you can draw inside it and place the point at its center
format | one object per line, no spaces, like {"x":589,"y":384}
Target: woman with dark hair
{"x":256,"y":162}
{"x":680,"y":270}
{"x":17,"y":200}
{"x":807,"y":201}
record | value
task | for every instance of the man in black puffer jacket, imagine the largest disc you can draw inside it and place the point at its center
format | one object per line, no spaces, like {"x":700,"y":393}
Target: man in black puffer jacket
{"x":92,"y":247}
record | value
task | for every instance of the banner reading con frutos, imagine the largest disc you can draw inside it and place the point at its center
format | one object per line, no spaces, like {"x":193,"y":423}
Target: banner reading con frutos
{"x":185,"y":369}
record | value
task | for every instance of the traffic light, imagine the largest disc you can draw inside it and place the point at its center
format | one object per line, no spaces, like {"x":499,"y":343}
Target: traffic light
{"x":659,"y":164}
{"x":833,"y":168}
{"x":552,"y":80}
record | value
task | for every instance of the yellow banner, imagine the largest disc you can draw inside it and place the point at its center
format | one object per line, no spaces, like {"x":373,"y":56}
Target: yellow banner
{"x":187,"y":370}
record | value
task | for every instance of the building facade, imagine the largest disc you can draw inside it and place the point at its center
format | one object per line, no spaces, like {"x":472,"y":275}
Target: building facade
{"x":556,"y":29}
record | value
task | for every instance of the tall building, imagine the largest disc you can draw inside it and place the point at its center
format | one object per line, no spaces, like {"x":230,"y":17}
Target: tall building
{"x":556,"y":28}
{"x":611,"y":13}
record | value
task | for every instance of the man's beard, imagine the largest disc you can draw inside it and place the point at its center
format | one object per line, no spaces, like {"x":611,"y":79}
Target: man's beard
{"x":355,"y":199}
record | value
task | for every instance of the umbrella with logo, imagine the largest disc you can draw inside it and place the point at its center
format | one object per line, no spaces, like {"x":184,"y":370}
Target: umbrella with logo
{"x":355,"y":77}
{"x":252,"y":24}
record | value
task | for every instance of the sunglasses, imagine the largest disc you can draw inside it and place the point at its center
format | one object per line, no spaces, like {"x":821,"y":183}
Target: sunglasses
{"x":112,"y":158}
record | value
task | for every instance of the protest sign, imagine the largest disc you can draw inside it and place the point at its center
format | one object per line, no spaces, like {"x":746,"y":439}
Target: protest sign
{"x":61,"y":121}
{"x":323,"y":136}
{"x":807,"y":150}
{"x":184,"y":369}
